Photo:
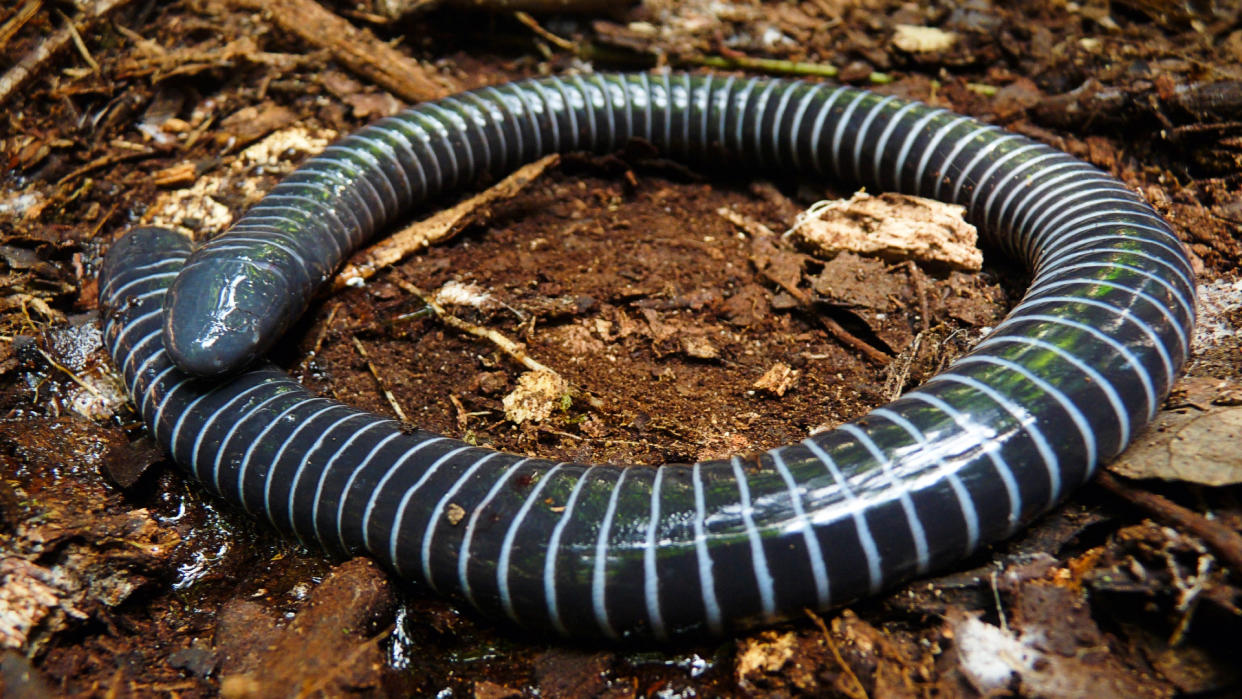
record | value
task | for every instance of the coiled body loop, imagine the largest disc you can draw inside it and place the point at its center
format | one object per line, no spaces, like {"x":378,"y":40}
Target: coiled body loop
{"x":1063,"y":384}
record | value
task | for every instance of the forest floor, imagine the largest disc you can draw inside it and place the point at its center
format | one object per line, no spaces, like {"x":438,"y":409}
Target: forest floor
{"x":652,"y":287}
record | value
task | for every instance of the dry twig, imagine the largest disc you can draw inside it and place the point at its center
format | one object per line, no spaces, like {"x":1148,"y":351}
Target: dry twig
{"x":357,"y":49}
{"x":856,"y":690}
{"x":439,"y":226}
{"x":79,"y":44}
{"x":563,"y":44}
{"x":392,"y":400}
{"x":19,"y":19}
{"x":505,"y":345}
{"x":1225,"y":541}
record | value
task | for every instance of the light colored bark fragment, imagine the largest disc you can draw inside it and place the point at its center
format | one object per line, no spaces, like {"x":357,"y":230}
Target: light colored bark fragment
{"x":777,"y":380}
{"x":915,"y":39}
{"x":895,"y":227}
{"x":438,"y":227}
{"x":538,"y":393}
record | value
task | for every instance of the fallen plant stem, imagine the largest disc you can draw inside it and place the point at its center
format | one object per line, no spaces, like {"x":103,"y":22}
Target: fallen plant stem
{"x":559,"y":42}
{"x":504,"y":344}
{"x":79,"y":44}
{"x":776,"y":66}
{"x":105,"y":161}
{"x":15,"y":23}
{"x":857,"y":691}
{"x":392,"y":400}
{"x":1226,"y":542}
{"x":64,"y":369}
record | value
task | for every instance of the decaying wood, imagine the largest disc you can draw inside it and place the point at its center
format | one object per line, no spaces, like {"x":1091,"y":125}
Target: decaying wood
{"x":1173,"y":104}
{"x":1226,"y":542}
{"x":33,"y":61}
{"x":396,"y":9}
{"x":356,"y":49}
{"x":19,"y":19}
{"x":892,"y":226}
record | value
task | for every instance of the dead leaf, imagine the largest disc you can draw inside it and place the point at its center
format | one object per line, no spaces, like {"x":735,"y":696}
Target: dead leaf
{"x":1192,"y":445}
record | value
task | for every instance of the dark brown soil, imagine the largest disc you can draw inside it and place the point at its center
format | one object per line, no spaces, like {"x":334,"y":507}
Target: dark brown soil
{"x":674,"y":325}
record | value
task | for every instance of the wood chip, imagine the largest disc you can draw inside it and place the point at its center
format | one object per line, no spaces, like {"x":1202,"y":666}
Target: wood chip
{"x":251,"y":123}
{"x":178,"y":175}
{"x":699,"y":347}
{"x":454,"y":513}
{"x":915,"y":39}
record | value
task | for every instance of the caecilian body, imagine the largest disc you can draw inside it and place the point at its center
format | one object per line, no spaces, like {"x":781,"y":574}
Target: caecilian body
{"x":1062,"y":385}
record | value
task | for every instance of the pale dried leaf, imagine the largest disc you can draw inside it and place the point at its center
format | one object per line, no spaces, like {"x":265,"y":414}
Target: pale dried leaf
{"x":1196,"y":446}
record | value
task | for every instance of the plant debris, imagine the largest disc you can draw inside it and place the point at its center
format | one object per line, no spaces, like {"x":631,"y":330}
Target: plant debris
{"x":892,"y":226}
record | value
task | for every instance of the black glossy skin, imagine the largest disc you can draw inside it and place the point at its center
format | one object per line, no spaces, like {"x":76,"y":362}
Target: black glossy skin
{"x":1063,"y":384}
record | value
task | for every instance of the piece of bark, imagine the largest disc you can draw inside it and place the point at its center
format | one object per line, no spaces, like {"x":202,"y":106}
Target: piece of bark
{"x":357,"y":49}
{"x":330,"y":648}
{"x":396,"y":9}
{"x":896,"y":227}
{"x":437,"y":227}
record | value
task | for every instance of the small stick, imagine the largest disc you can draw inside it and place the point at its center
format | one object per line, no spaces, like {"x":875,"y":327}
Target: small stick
{"x":19,"y":20}
{"x":79,"y":44}
{"x":858,"y":689}
{"x":775,"y":66}
{"x":560,"y":43}
{"x":899,"y":370}
{"x":509,"y":347}
{"x":916,"y":276}
{"x":506,"y":345}
{"x":323,"y":333}
{"x":392,"y":400}
{"x":105,"y":161}
{"x":1226,"y":542}
{"x":48,"y":358}
{"x":856,"y":343}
